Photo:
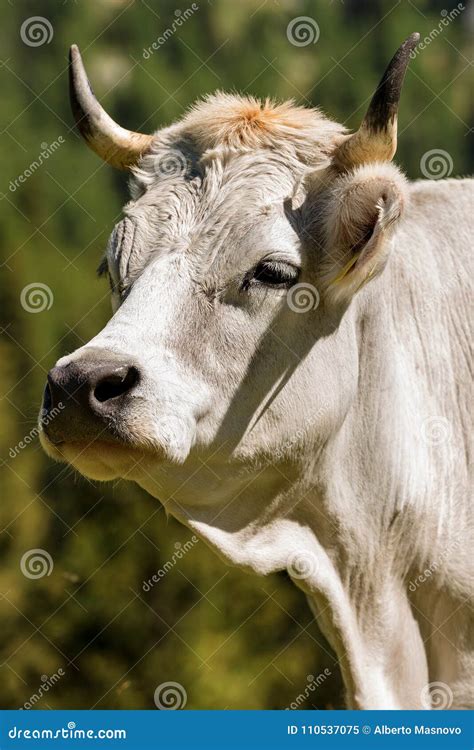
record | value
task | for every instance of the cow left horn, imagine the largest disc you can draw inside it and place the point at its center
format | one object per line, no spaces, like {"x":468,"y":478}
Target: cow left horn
{"x":376,"y":139}
{"x":119,"y":147}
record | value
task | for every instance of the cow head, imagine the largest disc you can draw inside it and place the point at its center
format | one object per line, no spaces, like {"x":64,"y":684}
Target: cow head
{"x":236,"y":275}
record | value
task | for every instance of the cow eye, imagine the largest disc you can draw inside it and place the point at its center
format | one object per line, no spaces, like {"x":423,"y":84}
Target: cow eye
{"x":275,"y":273}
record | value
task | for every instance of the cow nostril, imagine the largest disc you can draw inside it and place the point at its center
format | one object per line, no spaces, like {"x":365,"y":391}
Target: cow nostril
{"x":116,"y":384}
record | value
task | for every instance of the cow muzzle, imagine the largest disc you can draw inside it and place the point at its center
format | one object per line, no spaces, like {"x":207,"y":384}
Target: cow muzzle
{"x":85,"y":398}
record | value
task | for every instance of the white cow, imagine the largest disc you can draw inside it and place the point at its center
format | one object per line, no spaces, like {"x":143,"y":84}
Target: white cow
{"x":287,"y":370}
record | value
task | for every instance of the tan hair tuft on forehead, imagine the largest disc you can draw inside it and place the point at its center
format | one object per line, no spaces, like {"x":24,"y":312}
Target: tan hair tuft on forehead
{"x":231,"y":120}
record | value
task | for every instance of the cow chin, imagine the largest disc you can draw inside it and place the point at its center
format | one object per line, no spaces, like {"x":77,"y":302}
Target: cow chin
{"x":99,"y":460}
{"x":105,"y":460}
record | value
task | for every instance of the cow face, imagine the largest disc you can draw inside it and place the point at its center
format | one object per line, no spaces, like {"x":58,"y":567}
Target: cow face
{"x":233,"y":274}
{"x":225,"y":336}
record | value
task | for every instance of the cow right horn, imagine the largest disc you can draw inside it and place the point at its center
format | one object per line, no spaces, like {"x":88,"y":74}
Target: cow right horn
{"x":119,"y":147}
{"x":376,"y":139}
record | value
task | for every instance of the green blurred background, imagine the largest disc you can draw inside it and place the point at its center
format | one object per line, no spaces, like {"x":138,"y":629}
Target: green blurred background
{"x":231,"y":641}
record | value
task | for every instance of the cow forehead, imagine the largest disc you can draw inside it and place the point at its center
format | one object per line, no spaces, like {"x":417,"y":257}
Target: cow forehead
{"x":174,"y":176}
{"x":213,"y":177}
{"x":208,"y":210}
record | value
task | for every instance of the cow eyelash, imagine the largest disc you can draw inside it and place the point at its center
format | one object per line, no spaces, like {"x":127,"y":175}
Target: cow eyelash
{"x":103,"y":270}
{"x":272,"y":273}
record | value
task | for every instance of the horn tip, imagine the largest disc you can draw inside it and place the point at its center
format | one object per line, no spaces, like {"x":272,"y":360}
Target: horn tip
{"x":73,"y":52}
{"x":412,"y":40}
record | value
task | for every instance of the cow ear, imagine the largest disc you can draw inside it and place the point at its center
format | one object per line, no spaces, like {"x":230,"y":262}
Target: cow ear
{"x":360,"y":211}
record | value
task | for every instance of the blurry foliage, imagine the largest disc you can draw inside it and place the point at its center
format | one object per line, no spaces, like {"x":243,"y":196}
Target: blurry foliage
{"x":231,"y":640}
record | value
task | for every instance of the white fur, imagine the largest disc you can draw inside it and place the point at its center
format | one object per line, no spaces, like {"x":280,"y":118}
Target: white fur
{"x":285,"y":433}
